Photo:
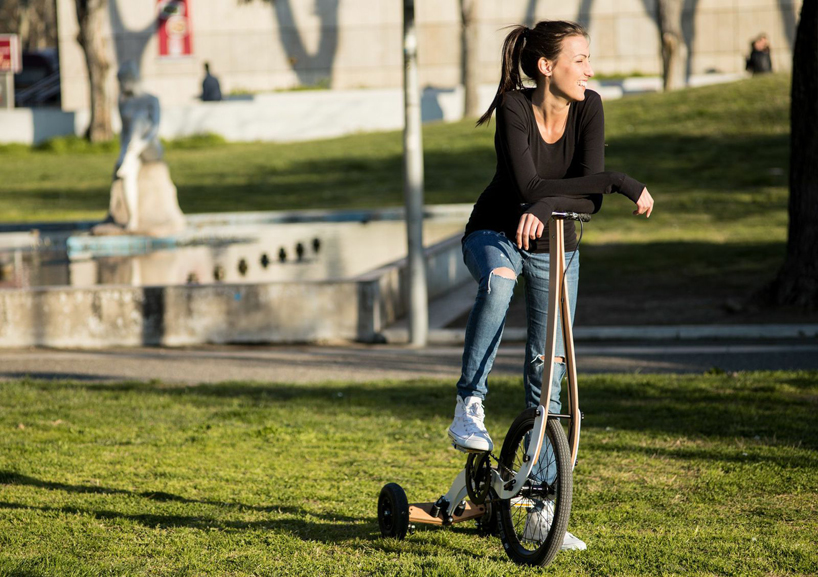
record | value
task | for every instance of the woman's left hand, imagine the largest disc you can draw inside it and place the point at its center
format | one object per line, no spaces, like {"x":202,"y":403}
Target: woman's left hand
{"x":645,"y":204}
{"x":530,"y":227}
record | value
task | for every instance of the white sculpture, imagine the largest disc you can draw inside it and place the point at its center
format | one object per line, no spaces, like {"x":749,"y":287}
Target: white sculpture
{"x":139,"y":139}
{"x":143,"y":197}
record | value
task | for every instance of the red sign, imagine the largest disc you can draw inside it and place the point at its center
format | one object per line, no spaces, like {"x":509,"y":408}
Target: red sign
{"x":173,"y":28}
{"x":10,"y":58}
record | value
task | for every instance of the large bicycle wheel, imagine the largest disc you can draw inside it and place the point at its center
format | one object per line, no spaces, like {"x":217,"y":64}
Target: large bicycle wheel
{"x":533,"y":524}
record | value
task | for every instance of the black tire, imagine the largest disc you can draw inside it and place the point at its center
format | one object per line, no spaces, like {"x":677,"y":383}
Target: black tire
{"x":538,"y":547}
{"x":393,"y":511}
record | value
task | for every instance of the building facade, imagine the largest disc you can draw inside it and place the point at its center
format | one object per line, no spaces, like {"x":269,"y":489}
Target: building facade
{"x":264,"y":45}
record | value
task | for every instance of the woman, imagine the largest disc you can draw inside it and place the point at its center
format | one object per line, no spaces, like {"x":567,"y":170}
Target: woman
{"x":550,"y":144}
{"x":759,"y":61}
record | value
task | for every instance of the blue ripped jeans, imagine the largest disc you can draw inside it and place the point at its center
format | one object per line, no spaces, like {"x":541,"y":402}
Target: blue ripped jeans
{"x":483,"y":252}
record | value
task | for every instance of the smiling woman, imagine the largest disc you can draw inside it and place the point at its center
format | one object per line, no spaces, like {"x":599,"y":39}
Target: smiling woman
{"x":550,"y":147}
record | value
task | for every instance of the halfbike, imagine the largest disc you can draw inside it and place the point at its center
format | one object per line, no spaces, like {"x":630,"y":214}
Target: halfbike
{"x":524,"y":495}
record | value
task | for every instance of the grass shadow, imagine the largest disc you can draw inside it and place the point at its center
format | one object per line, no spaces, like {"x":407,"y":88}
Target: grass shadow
{"x":328,"y":532}
{"x":672,"y":283}
{"x":459,"y":163}
{"x":767,"y":407}
{"x":662,"y":283}
{"x":14,"y":478}
{"x":332,"y":527}
{"x":771,"y":405}
{"x":715,"y":167}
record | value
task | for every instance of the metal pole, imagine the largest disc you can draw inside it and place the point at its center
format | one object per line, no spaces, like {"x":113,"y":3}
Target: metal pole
{"x":7,"y":90}
{"x":413,"y":182}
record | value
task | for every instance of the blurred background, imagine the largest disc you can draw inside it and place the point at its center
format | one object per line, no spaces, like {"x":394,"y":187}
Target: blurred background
{"x":255,"y":47}
{"x":301,"y":109}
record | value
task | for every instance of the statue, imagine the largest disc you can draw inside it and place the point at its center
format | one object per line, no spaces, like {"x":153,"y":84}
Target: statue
{"x":143,"y":197}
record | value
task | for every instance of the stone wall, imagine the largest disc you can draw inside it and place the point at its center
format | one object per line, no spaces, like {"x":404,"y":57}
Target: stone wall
{"x":358,"y":308}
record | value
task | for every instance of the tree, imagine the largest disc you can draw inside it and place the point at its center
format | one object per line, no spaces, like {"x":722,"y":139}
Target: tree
{"x":797,"y":281}
{"x":35,"y":21}
{"x":674,"y":49}
{"x":470,"y":61}
{"x":92,"y":16}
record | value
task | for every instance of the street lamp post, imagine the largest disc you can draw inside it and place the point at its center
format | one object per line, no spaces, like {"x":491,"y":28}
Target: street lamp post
{"x":413,"y":182}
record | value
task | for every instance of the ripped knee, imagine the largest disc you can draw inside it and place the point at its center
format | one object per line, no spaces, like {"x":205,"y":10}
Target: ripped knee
{"x":541,"y":359}
{"x":503,"y":272}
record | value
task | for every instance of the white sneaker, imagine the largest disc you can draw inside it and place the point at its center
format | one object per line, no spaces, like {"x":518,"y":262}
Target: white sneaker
{"x":468,"y":431}
{"x":538,"y":523}
{"x":572,"y":542}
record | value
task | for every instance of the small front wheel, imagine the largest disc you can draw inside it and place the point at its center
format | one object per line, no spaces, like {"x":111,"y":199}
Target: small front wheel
{"x":393,"y":511}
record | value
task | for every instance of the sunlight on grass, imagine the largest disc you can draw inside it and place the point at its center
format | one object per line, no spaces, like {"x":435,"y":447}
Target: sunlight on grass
{"x":715,"y":158}
{"x":709,"y":474}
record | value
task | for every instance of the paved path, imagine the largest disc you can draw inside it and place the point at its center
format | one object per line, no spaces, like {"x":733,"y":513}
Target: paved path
{"x":367,"y":363}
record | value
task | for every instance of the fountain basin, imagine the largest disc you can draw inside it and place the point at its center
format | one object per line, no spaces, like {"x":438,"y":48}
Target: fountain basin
{"x":166,"y":291}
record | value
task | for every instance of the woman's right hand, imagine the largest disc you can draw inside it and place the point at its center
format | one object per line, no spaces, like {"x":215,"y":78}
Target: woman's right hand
{"x":529,"y":227}
{"x":645,"y":204}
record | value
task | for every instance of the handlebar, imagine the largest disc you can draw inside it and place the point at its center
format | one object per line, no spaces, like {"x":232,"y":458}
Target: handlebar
{"x":581,"y":216}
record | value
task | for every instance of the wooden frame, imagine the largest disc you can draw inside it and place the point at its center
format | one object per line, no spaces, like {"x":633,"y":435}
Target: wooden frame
{"x":558,"y":303}
{"x":421,"y":513}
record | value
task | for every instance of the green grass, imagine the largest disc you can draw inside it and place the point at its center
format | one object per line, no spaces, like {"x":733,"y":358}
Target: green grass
{"x":715,"y":159}
{"x":713,"y":474}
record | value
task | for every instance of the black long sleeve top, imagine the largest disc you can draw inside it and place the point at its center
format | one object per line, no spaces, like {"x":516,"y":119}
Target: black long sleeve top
{"x":537,"y":177}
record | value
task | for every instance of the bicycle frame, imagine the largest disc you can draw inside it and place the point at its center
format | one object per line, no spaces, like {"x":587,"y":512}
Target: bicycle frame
{"x":504,"y":489}
{"x":557,"y":302}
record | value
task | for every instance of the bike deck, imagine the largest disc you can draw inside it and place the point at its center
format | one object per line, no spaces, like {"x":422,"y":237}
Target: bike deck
{"x":420,"y":513}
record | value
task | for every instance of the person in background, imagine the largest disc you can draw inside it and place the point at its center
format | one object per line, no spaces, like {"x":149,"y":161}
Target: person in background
{"x":759,"y":61}
{"x":211,"y":91}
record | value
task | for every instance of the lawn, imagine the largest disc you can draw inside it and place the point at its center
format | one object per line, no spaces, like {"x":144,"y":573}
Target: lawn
{"x":713,"y":474}
{"x":715,"y":158}
{"x":699,"y":475}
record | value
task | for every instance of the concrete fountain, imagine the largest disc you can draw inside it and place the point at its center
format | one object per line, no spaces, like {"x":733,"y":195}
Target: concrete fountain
{"x":149,"y":275}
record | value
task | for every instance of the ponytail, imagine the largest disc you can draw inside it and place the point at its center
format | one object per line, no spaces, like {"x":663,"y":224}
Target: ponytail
{"x":510,"y":78}
{"x":522,"y":50}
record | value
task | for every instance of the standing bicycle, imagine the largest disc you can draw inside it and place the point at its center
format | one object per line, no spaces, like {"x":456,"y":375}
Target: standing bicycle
{"x":550,"y":143}
{"x":525,"y":494}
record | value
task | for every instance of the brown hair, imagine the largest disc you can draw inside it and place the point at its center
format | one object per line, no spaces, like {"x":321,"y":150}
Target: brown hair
{"x":523,"y":48}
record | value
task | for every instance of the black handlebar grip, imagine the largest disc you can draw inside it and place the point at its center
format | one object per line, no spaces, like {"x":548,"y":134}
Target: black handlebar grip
{"x":581,"y":216}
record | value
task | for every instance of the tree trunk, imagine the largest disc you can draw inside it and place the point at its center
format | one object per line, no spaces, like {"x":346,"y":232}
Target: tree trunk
{"x":26,"y":11}
{"x":49,"y":24}
{"x":92,"y":16}
{"x":674,"y":49}
{"x":470,"y":62}
{"x":797,"y":281}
